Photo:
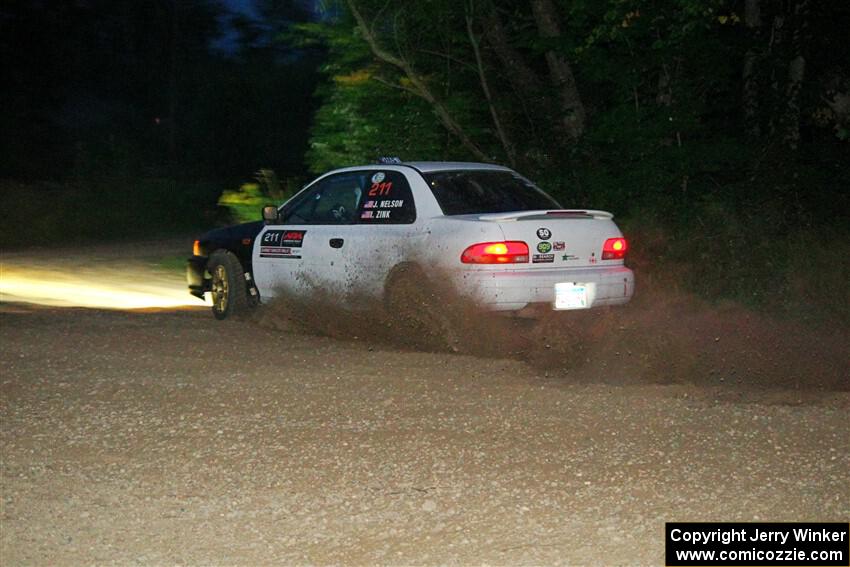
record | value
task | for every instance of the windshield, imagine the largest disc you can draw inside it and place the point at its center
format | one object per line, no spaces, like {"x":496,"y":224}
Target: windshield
{"x":468,"y":192}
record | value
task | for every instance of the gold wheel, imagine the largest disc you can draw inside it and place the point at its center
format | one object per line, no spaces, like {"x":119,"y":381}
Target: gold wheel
{"x":220,"y":290}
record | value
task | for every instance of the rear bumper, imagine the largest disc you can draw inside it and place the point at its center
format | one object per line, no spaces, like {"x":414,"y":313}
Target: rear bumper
{"x":196,"y":268}
{"x":516,"y":289}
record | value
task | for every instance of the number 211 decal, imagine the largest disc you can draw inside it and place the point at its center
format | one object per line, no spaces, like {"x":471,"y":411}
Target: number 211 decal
{"x":380,"y":189}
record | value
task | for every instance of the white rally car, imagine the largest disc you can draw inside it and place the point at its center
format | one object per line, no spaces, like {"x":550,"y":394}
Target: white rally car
{"x":500,"y":240}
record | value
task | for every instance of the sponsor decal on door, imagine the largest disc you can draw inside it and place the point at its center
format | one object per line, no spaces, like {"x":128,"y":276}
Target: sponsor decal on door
{"x":280,"y":244}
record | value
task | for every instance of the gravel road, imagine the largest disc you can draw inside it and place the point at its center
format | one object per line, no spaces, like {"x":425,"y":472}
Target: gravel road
{"x":166,"y":437}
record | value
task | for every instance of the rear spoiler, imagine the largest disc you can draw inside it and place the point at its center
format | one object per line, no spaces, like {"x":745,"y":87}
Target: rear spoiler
{"x":542,"y":214}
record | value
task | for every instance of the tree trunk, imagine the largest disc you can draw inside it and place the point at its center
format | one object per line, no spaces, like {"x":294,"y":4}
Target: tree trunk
{"x":775,"y":47}
{"x":572,"y":109}
{"x":521,"y":76}
{"x":497,"y":123}
{"x":752,"y":13}
{"x":665,"y":92}
{"x":420,"y":87}
{"x":749,"y":98}
{"x":796,"y":74}
{"x":524,"y":81}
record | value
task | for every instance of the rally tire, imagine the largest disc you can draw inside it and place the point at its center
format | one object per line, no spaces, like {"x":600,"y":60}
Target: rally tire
{"x":228,"y":288}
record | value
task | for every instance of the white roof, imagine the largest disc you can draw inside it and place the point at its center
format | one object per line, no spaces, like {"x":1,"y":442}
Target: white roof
{"x":429,"y":166}
{"x":424,"y":166}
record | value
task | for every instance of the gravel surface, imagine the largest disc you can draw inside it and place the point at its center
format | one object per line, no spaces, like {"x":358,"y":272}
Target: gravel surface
{"x":169,"y":438}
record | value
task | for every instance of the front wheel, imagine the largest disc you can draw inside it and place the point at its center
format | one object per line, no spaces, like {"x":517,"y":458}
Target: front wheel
{"x":229,"y":291}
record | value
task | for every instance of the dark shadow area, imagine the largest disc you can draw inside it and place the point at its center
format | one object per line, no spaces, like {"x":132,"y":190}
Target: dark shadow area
{"x":129,"y":119}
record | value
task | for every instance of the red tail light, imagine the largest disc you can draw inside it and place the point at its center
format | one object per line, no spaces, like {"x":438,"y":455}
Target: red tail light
{"x":511,"y":252}
{"x":614,"y":249}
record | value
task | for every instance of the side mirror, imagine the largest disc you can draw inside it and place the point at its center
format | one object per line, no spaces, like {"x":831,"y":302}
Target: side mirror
{"x":270,"y":214}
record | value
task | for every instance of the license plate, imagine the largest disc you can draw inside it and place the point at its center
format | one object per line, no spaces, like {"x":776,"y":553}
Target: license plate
{"x":571,"y":296}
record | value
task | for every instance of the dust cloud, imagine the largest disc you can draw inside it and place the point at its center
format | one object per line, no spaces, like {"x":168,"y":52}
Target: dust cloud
{"x":659,"y":338}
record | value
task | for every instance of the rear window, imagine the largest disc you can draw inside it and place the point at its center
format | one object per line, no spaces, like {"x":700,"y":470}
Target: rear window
{"x":470,"y":192}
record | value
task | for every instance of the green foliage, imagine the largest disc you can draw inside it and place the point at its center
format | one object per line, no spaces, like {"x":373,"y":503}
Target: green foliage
{"x":365,"y":111}
{"x":360,"y":123}
{"x":245,"y":204}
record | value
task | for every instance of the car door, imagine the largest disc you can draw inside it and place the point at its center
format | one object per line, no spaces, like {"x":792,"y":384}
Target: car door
{"x":386,"y":232}
{"x":299,"y":253}
{"x":351,"y":259}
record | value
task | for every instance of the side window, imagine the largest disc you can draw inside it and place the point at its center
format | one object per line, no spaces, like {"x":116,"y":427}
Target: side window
{"x":333,"y":200}
{"x":386,"y":199}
